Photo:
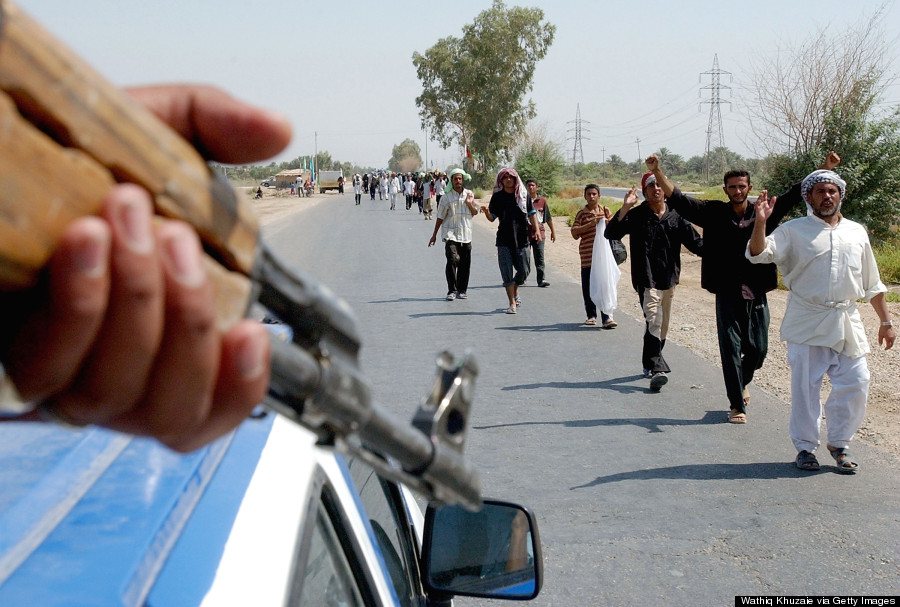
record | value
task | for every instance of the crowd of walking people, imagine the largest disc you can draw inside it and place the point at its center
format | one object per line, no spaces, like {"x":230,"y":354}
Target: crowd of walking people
{"x":420,"y":189}
{"x":826,"y":261}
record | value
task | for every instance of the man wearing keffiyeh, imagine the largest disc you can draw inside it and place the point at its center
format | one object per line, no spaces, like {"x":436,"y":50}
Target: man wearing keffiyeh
{"x":827,"y":264}
{"x":511,"y":205}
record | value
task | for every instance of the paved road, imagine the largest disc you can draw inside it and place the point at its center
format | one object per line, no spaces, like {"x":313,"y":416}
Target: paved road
{"x":643,"y":498}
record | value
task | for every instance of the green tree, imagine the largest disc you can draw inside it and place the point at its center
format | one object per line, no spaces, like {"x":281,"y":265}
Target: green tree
{"x":616,"y":162}
{"x":722,"y":160}
{"x":473,"y":86}
{"x":870,"y":164}
{"x":405,"y":157}
{"x":540,"y":158}
{"x":674,"y":163}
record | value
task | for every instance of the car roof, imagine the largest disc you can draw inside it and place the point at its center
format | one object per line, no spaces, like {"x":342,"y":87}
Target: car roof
{"x":96,"y":517}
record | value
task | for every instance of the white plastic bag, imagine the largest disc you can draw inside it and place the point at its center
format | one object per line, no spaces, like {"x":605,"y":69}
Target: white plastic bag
{"x":604,"y":273}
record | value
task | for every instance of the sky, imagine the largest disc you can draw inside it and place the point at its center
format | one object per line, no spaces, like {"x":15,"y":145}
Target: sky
{"x":343,"y":73}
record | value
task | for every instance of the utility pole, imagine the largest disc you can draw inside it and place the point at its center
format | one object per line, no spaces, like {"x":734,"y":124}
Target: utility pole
{"x":578,"y":129}
{"x":315,"y":175}
{"x":715,"y":136}
{"x":603,"y":154}
{"x":638,"y":142}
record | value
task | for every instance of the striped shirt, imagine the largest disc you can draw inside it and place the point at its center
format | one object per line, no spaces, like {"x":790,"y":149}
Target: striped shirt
{"x":586,"y":245}
{"x":456,"y":216}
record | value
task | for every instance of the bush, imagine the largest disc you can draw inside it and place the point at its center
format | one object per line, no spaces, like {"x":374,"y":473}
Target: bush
{"x":569,"y":207}
{"x":887,"y":255}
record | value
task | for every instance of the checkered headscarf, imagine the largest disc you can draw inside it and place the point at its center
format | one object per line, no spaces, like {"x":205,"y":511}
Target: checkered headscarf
{"x":821,"y":176}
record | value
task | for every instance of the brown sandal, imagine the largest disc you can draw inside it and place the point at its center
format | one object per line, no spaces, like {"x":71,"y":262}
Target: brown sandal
{"x":736,"y":417}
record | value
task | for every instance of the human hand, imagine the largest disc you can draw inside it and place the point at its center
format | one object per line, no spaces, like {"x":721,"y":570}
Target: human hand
{"x":886,"y":337}
{"x":652,"y":162}
{"x":764,"y":205}
{"x":122,"y":334}
{"x":631,"y":198}
{"x":831,"y":161}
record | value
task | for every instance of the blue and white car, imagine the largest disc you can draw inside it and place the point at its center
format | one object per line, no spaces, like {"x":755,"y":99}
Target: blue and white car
{"x":262,"y":516}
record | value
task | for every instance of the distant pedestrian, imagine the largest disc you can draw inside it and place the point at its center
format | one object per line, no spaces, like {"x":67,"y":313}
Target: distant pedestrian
{"x":511,"y":205}
{"x":409,"y":190}
{"x":584,"y":229}
{"x":544,"y":218}
{"x":827,"y":264}
{"x":454,"y":218}
{"x":383,"y":181}
{"x":357,"y":188}
{"x":656,"y":234}
{"x":394,"y":189}
{"x":427,"y":196}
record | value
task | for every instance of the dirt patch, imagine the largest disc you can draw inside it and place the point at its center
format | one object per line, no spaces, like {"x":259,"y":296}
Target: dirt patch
{"x":693,"y":325}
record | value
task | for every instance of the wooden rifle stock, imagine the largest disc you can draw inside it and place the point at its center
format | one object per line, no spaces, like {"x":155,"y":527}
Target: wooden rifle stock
{"x":67,"y":135}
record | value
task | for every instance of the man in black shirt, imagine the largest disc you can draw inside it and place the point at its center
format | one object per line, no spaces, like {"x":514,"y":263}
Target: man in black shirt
{"x":657,"y":233}
{"x":512,"y":206}
{"x":742,"y":310}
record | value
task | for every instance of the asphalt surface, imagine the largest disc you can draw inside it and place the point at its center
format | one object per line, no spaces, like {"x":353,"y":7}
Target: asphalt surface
{"x":642,"y":498}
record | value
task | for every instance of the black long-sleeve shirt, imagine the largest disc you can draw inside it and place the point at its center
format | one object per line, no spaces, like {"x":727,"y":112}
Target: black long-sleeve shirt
{"x":724,"y":269}
{"x":655,"y":245}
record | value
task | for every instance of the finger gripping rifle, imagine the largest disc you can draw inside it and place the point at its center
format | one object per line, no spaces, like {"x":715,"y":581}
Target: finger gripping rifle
{"x":67,"y":136}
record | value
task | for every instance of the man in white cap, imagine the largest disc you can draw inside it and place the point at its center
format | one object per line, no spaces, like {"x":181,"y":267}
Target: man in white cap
{"x":827,"y":263}
{"x":454,"y":218}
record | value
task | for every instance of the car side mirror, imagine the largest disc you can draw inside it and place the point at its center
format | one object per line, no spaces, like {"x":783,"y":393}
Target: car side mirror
{"x":492,"y":553}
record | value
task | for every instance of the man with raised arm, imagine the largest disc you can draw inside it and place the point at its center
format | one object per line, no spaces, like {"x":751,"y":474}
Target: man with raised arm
{"x":656,"y":235}
{"x":742,"y":310}
{"x":827,"y":264}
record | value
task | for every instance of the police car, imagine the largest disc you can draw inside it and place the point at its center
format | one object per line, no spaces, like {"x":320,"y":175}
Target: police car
{"x":262,"y":516}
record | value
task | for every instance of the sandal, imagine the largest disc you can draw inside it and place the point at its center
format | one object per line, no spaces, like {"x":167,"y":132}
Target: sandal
{"x":746,"y":396}
{"x":511,"y":310}
{"x":736,"y":417}
{"x":591,"y":322}
{"x":844,"y":464}
{"x":807,"y":461}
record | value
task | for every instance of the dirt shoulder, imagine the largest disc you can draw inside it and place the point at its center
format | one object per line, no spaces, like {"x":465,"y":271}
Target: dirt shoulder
{"x":693,"y":325}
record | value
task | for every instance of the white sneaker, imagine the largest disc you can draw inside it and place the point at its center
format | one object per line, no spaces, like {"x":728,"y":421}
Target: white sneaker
{"x":451,"y":296}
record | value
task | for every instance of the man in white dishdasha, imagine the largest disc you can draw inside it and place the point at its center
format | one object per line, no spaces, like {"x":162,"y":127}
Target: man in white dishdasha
{"x":827,"y":264}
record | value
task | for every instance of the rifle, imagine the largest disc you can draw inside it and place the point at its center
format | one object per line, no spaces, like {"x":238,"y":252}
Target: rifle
{"x":67,"y":135}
